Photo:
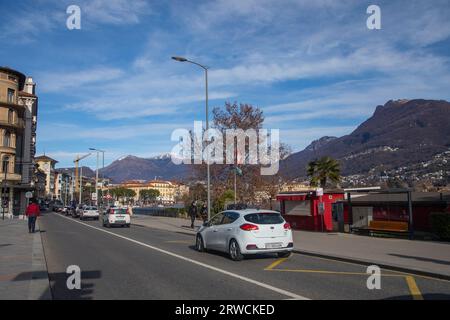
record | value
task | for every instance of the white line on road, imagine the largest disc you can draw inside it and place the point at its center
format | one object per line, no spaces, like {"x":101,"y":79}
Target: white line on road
{"x":258,"y":283}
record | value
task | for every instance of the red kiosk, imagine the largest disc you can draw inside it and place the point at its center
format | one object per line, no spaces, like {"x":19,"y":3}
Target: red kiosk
{"x":310,"y":210}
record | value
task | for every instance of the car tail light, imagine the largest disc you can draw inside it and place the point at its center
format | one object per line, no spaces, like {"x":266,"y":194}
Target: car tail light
{"x":249,"y":227}
{"x":287,"y":226}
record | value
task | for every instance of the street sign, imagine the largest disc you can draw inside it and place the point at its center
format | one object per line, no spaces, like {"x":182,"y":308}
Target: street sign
{"x":94,"y":196}
{"x":319,"y":192}
{"x":29,"y":194}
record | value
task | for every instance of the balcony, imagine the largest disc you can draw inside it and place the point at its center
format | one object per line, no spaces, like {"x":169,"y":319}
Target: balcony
{"x":10,"y":177}
{"x":16,"y":124}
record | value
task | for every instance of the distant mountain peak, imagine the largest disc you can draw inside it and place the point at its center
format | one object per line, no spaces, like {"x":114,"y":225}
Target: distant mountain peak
{"x":162,"y":156}
{"x":319,"y":143}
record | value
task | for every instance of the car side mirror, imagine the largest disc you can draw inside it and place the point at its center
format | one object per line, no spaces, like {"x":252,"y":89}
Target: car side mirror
{"x":206,"y":224}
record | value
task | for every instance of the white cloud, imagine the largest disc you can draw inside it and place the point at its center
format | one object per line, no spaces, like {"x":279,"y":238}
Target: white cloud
{"x":69,"y":79}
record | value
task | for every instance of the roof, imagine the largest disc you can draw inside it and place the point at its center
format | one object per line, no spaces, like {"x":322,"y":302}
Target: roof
{"x":417,"y":197}
{"x":21,"y":76}
{"x":45,"y":158}
{"x":26,"y":94}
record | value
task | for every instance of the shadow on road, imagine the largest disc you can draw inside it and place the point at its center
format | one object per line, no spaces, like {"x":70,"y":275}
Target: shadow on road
{"x":58,"y":284}
{"x":246,"y":257}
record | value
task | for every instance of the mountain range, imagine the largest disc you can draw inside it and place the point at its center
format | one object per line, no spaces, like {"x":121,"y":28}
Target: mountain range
{"x":400,"y":133}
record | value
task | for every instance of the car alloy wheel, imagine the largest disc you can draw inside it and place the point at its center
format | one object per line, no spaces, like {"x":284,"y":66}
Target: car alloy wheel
{"x":235,"y":251}
{"x":199,"y":244}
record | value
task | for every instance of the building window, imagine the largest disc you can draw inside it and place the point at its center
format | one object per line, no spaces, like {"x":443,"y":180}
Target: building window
{"x":10,"y":116}
{"x":11,"y":95}
{"x":7,"y":139}
{"x":5,"y":164}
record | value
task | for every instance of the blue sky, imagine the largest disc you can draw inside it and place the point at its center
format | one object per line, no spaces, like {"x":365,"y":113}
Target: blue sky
{"x":312,"y":66}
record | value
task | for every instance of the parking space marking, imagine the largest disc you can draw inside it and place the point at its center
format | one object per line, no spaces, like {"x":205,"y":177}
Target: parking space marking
{"x":413,"y":288}
{"x":276,"y":263}
{"x":204,"y":265}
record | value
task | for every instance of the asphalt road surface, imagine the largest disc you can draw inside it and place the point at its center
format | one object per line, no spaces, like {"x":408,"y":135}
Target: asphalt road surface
{"x":146,"y":263}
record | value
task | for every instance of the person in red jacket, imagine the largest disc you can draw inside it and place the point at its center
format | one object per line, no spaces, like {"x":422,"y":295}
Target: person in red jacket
{"x":32,"y":213}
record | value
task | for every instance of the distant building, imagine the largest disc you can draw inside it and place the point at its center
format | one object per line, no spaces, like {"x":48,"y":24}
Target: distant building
{"x":47,"y":165}
{"x":18,"y":120}
{"x":63,"y":186}
{"x":169,"y":191}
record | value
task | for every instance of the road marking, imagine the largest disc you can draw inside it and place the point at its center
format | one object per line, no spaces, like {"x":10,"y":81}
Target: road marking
{"x":413,"y":288}
{"x":179,"y":241}
{"x":258,"y":283}
{"x":276,"y":263}
{"x":331,"y":272}
{"x":400,"y":273}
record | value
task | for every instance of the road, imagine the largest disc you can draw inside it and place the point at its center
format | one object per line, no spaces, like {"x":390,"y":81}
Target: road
{"x":146,"y":263}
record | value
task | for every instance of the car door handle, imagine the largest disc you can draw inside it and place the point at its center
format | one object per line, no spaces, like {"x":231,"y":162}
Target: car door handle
{"x":215,"y":230}
{"x":229,"y":229}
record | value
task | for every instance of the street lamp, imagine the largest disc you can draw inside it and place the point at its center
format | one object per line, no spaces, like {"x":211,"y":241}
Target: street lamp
{"x":96,"y":172}
{"x":181,"y":59}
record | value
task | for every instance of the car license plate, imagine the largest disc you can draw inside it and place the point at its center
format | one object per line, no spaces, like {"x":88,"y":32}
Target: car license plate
{"x":274,"y":245}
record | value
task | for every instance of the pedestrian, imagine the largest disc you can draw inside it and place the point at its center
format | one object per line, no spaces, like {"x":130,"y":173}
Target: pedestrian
{"x":32,"y":213}
{"x":204,"y":213}
{"x":193,"y":213}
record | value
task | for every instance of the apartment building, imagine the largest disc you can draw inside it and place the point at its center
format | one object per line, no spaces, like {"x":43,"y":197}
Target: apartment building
{"x":47,"y":165}
{"x":18,"y":120}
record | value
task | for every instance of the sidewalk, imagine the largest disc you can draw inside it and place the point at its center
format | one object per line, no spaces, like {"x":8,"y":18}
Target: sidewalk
{"x":23,"y":270}
{"x":422,"y":257}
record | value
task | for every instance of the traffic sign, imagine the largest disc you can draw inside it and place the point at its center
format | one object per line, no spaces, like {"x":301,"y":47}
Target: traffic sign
{"x":29,"y":194}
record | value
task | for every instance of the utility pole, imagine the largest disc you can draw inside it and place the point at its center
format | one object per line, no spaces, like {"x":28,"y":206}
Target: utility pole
{"x":76,"y":161}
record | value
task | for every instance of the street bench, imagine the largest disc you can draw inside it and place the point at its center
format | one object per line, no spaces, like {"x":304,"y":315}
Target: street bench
{"x":384,"y":226}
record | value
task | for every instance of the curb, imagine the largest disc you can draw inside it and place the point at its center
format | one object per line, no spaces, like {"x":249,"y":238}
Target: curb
{"x":40,"y":284}
{"x":350,"y":260}
{"x":381,"y":265}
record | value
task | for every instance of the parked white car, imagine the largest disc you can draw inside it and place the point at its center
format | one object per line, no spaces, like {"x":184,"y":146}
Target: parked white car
{"x":116,"y":217}
{"x":89,"y":212}
{"x":242,"y":232}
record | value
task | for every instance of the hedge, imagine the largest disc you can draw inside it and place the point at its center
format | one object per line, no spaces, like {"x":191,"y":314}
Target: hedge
{"x":440,"y":223}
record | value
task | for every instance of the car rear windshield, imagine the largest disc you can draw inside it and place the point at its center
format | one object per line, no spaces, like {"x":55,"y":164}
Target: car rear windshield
{"x":264,"y":218}
{"x":119,"y":211}
{"x":91,"y":208}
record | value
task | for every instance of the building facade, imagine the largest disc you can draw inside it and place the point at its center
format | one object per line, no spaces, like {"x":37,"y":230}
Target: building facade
{"x":47,"y":165}
{"x":169,"y":192}
{"x":63,"y":187}
{"x":18,"y":120}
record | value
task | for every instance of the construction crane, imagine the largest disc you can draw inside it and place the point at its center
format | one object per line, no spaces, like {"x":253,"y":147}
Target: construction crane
{"x":76,"y":161}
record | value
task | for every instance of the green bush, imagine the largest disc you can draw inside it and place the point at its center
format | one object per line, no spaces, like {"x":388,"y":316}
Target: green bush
{"x":440,"y":222}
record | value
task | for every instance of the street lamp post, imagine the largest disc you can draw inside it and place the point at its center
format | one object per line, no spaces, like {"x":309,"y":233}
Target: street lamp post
{"x":97,"y":175}
{"x":181,"y":59}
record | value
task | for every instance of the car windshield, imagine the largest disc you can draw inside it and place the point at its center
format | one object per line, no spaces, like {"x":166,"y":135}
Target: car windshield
{"x":119,"y":211}
{"x":264,"y":218}
{"x":91,"y":208}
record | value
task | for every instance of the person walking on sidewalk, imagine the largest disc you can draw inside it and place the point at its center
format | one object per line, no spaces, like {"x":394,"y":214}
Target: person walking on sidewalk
{"x":204,"y":213}
{"x":32,"y":213}
{"x":193,"y":213}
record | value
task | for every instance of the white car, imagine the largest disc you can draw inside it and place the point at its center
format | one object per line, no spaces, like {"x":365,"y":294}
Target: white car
{"x":116,"y":217}
{"x":89,"y":212}
{"x":242,"y":232}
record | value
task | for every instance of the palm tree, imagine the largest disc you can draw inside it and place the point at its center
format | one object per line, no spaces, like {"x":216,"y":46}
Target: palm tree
{"x":320,"y":170}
